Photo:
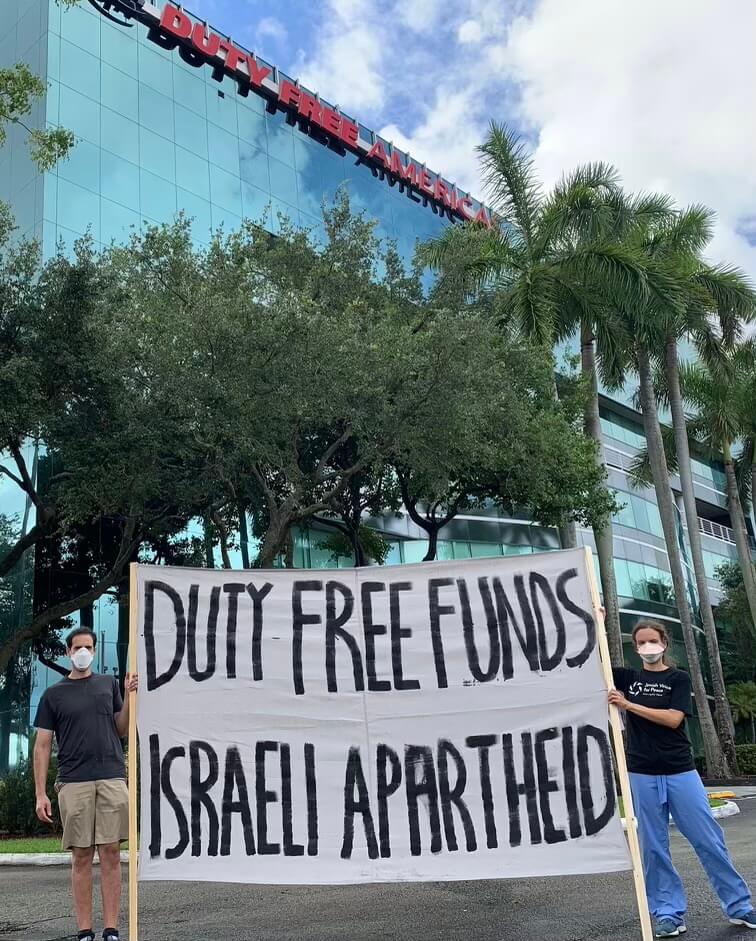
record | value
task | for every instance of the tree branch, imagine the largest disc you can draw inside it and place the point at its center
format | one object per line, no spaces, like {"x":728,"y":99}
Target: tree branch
{"x":343,"y":437}
{"x":46,"y":662}
{"x":9,"y":561}
{"x":129,"y":542}
{"x":16,"y":480}
{"x":27,"y":484}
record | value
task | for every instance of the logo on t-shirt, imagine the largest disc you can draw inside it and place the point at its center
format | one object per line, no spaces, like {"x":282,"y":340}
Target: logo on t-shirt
{"x":656,"y":689}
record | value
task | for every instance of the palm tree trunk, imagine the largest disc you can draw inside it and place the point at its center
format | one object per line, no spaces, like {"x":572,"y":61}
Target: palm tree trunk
{"x":568,"y":530}
{"x":715,"y":759}
{"x":739,"y":528}
{"x":604,"y":535}
{"x":722,"y":712}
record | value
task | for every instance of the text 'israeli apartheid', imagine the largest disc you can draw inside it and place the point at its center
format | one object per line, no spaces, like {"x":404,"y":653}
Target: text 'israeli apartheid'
{"x":436,"y":721}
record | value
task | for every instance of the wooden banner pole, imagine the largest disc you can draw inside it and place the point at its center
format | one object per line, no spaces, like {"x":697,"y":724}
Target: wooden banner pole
{"x":133,"y":746}
{"x":619,"y":748}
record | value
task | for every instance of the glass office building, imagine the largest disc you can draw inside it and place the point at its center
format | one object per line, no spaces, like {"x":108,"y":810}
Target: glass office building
{"x":157,"y":132}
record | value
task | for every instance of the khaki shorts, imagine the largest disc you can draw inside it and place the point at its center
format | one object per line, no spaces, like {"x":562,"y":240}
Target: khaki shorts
{"x":94,"y":813}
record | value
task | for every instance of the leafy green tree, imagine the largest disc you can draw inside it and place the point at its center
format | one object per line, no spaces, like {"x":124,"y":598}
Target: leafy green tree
{"x":19,"y":88}
{"x":738,"y":631}
{"x":742,"y":698}
{"x":111,"y":455}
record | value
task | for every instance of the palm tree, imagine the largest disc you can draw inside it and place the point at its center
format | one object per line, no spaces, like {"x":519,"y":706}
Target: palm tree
{"x":710,"y":295}
{"x":550,"y":266}
{"x":671,"y":246}
{"x":744,"y":396}
{"x":714,"y":394}
{"x":742,"y":698}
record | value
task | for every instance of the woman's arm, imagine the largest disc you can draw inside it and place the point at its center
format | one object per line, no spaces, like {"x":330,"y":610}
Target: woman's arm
{"x":671,"y":718}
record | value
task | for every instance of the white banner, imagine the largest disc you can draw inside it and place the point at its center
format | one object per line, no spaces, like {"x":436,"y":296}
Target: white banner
{"x":412,"y":723}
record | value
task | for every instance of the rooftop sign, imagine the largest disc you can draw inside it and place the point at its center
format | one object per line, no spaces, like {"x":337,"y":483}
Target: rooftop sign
{"x":172,"y":27}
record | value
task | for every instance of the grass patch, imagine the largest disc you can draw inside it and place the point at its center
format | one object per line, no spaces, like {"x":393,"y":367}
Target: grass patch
{"x":31,"y":844}
{"x":36,"y":844}
{"x":713,"y":802}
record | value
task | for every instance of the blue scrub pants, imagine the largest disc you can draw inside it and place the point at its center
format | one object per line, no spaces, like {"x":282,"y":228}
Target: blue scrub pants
{"x":683,"y":796}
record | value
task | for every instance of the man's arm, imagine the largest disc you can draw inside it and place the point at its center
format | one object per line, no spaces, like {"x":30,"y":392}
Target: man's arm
{"x":42,"y":752}
{"x":122,"y":717}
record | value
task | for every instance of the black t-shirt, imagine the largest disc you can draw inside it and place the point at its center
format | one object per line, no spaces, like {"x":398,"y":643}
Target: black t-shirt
{"x":81,"y":713}
{"x":652,"y":748}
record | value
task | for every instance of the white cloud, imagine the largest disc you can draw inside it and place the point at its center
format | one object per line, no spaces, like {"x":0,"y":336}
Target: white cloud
{"x":445,"y":140}
{"x":470,"y":31}
{"x":345,"y":65}
{"x":418,"y":14}
{"x":271,"y":28}
{"x":662,"y":90}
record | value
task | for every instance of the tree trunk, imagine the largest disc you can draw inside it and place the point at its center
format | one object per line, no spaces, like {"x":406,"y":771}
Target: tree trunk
{"x":274,"y":539}
{"x":289,"y":553}
{"x":603,"y":536}
{"x":208,"y":542}
{"x":568,"y":535}
{"x":722,"y":712}
{"x":222,"y":530}
{"x":715,"y":759}
{"x":5,"y":734}
{"x":739,"y":528}
{"x":360,"y":558}
{"x":430,"y":555}
{"x":244,"y":536}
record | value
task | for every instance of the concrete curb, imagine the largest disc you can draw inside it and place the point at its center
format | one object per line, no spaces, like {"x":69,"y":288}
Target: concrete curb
{"x":44,"y":859}
{"x":728,"y":809}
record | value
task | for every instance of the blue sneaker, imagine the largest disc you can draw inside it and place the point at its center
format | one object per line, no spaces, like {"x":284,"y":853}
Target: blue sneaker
{"x":748,"y":920}
{"x":667,"y":928}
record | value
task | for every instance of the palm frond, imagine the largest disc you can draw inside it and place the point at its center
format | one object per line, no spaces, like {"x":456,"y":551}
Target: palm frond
{"x":532,"y":304}
{"x":612,"y":345}
{"x":686,"y":232}
{"x":615,"y":269}
{"x":640,"y":474}
{"x":510,"y":179}
{"x":733,"y":297}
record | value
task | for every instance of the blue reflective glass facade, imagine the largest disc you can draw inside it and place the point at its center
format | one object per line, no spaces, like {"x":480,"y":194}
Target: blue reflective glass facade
{"x":156,"y":136}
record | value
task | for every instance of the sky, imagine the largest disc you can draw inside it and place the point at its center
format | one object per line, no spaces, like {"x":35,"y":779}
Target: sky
{"x":661,"y":89}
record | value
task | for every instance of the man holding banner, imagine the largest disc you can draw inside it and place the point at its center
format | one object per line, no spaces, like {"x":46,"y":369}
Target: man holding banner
{"x":87,"y":717}
{"x":419,"y":723}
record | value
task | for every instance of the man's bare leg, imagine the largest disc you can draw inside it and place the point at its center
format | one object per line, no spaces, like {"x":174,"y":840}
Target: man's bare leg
{"x":81,"y":882}
{"x":110,"y":877}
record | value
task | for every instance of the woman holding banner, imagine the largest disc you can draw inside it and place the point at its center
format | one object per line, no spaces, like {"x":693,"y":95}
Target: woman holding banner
{"x":663,"y":779}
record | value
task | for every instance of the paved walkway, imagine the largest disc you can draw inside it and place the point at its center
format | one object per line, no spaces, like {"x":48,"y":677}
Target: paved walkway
{"x":34,"y":906}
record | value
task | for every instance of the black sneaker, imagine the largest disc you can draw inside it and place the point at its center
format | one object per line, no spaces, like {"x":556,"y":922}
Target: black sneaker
{"x":110,"y":934}
{"x":87,"y":935}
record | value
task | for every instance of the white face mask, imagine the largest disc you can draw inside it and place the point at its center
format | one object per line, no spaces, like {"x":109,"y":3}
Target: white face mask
{"x":651,"y":652}
{"x":82,"y":659}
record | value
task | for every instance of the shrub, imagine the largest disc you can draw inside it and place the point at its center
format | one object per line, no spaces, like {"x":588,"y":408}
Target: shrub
{"x":746,"y":758}
{"x":18,"y":801}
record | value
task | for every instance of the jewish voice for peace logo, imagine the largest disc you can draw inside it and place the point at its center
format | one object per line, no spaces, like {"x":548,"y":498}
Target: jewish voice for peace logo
{"x":118,"y":11}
